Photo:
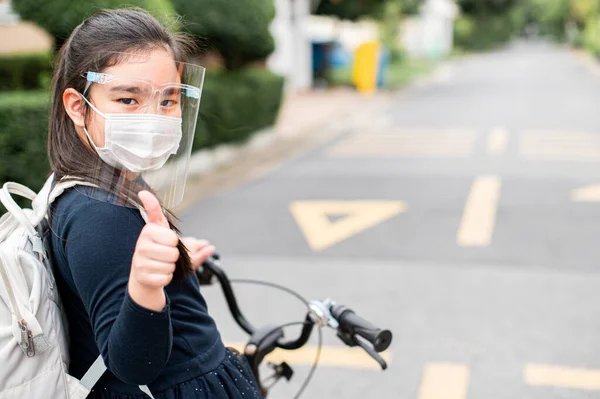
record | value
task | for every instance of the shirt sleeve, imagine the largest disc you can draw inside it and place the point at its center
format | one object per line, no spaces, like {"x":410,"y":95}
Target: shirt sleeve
{"x":134,"y":342}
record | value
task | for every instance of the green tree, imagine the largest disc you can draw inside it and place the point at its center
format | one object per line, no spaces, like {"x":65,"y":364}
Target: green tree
{"x":411,"y":7}
{"x":349,"y":9}
{"x":585,"y":14}
{"x":238,"y":29}
{"x":551,"y":16}
{"x":485,"y":24}
{"x":486,"y":7}
{"x":583,"y":10}
{"x":557,"y":17}
{"x":355,"y":9}
{"x":60,"y":17}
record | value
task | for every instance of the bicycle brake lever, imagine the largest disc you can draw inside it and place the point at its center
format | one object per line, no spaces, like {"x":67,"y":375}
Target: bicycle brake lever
{"x":371,"y":351}
{"x":204,"y":273}
{"x":205,"y":276}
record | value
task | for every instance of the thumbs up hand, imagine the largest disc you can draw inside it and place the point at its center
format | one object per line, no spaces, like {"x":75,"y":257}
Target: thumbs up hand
{"x":199,"y":250}
{"x":154,"y":258}
{"x":153,"y":209}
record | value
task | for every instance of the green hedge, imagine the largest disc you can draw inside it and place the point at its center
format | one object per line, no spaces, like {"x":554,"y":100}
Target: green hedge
{"x":238,"y":29}
{"x":234,"y":105}
{"x":25,"y":72}
{"x":237,"y":103}
{"x":23,"y":126}
{"x":483,"y":33}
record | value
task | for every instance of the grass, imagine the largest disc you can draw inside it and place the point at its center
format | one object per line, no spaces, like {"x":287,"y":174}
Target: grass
{"x":399,"y":73}
{"x":402,"y":73}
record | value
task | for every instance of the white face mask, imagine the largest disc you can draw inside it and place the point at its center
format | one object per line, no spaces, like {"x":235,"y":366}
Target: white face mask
{"x":137,"y":142}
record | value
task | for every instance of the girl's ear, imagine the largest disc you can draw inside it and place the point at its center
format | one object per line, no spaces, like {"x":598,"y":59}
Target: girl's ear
{"x":73,"y":103}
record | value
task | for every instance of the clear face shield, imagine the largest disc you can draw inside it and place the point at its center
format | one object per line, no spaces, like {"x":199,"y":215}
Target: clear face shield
{"x":141,"y":124}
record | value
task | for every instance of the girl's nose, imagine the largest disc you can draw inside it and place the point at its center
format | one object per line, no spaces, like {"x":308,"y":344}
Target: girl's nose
{"x":152,"y":107}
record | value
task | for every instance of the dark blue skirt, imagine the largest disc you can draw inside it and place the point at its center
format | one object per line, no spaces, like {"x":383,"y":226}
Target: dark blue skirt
{"x":231,"y":380}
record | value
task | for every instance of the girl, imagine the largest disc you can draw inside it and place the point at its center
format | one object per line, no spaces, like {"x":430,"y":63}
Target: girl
{"x":123,"y":104}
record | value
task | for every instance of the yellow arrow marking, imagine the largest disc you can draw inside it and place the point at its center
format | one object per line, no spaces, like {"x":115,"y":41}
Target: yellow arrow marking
{"x":562,"y":377}
{"x":321,"y":233}
{"x":586,"y":194}
{"x":479,"y":216}
{"x":331,"y":356}
{"x":444,"y":381}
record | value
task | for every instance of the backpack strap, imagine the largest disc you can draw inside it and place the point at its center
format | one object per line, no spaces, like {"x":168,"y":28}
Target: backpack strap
{"x":40,"y":201}
{"x":8,"y":189}
{"x":96,"y":371}
{"x":13,"y":208}
{"x":146,"y":390}
{"x":48,"y":194}
{"x":93,"y":374}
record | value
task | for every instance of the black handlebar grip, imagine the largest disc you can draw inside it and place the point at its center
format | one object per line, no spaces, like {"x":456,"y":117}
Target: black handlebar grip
{"x":381,"y":339}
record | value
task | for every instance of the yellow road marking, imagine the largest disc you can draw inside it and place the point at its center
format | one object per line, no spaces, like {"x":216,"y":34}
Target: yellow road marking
{"x":589,"y":193}
{"x":414,"y":142}
{"x":562,"y":377}
{"x":331,"y":356}
{"x":393,"y":150}
{"x":479,"y":215}
{"x":444,"y":381}
{"x":321,"y":233}
{"x":497,"y":141}
{"x":560,"y":146}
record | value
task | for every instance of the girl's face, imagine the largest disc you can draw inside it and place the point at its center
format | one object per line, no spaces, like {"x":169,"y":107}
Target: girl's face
{"x":138,"y":85}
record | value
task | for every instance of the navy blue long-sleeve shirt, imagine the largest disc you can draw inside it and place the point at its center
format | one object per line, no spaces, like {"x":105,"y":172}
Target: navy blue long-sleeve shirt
{"x":92,"y":245}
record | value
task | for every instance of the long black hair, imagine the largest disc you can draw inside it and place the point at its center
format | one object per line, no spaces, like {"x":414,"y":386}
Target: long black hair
{"x":92,"y":46}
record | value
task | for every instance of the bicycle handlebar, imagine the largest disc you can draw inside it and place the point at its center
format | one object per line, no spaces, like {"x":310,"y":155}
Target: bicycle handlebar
{"x":349,"y":321}
{"x":211,"y":267}
{"x":322,"y":313}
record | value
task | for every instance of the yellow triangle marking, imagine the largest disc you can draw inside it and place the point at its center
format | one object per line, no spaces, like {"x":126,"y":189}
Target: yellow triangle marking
{"x":586,"y":194}
{"x":321,"y":233}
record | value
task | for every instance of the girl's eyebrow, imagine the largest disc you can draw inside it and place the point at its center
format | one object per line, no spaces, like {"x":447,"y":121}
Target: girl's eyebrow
{"x":129,"y":89}
{"x":172,"y":90}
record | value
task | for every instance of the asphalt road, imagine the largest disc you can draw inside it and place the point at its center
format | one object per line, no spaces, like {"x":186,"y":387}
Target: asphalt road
{"x":463,"y":216}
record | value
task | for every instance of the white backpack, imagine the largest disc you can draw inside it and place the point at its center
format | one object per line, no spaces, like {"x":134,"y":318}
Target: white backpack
{"x":33,"y":333}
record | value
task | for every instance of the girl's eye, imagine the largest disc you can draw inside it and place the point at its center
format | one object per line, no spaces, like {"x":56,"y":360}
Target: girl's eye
{"x":167,"y":103}
{"x":127,"y":101}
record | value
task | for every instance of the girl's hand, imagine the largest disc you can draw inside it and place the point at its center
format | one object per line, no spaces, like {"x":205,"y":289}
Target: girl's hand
{"x":199,"y":250}
{"x":154,"y":258}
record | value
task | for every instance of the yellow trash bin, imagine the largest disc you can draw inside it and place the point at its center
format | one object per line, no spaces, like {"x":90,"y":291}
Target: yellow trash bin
{"x":366,"y":67}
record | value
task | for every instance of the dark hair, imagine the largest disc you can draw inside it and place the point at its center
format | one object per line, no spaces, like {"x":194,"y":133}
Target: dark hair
{"x":91,"y":47}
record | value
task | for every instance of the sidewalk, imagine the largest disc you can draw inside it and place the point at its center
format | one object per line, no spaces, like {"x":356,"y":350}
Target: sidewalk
{"x":304,"y":111}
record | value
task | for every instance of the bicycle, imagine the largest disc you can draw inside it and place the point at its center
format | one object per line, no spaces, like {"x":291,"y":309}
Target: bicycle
{"x":351,"y":329}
